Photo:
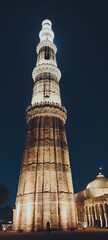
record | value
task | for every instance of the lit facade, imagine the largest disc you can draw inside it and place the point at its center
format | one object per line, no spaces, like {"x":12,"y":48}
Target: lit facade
{"x":92,"y":203}
{"x":45,"y":190}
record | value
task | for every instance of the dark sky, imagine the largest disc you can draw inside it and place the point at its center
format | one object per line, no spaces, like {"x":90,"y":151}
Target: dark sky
{"x":81,"y":36}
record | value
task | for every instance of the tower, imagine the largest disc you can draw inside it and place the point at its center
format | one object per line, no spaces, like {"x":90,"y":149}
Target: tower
{"x":45,"y":190}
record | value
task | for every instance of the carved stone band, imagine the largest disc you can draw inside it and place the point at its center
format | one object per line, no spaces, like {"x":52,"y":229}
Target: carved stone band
{"x":44,"y":44}
{"x":46,"y":68}
{"x":46,"y":110}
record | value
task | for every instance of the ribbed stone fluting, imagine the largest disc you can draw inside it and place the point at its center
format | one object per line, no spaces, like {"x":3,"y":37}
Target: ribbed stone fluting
{"x":45,"y":191}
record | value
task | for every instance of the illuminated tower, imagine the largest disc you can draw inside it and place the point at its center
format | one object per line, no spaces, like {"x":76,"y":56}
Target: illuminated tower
{"x":45,"y":191}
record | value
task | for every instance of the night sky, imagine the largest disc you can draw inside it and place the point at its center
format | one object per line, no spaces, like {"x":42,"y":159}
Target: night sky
{"x":81,"y":36}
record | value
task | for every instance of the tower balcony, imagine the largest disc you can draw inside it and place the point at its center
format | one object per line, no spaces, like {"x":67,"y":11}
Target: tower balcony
{"x":46,"y":109}
{"x":46,"y":44}
{"x":46,"y":68}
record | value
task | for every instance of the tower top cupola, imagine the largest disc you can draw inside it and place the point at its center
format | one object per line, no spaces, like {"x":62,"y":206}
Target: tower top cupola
{"x":46,"y":33}
{"x":46,"y":74}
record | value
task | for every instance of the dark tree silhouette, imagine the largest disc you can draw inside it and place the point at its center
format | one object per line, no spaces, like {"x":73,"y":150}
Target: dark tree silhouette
{"x":4,"y":195}
{"x":6,"y":214}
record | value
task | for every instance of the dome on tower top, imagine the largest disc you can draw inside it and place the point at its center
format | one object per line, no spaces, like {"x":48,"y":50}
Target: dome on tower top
{"x":47,"y":24}
{"x":99,"y":182}
{"x":46,"y":34}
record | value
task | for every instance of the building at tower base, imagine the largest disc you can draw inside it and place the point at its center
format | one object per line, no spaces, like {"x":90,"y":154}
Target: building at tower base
{"x":92,"y":204}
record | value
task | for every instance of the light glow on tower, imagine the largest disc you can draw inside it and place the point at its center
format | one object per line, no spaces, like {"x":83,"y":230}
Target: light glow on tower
{"x":45,"y":191}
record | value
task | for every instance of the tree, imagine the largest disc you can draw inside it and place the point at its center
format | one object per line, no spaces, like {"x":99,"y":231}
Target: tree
{"x":4,"y":194}
{"x":6,"y":214}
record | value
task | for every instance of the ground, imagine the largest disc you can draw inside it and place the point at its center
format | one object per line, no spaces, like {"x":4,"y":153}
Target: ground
{"x":91,"y":234}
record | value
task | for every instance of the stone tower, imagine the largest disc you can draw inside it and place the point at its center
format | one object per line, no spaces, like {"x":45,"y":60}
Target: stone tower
{"x":45,"y":190}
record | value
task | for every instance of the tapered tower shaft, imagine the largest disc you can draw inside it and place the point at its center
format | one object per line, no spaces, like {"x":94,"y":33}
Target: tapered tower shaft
{"x":45,"y":190}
